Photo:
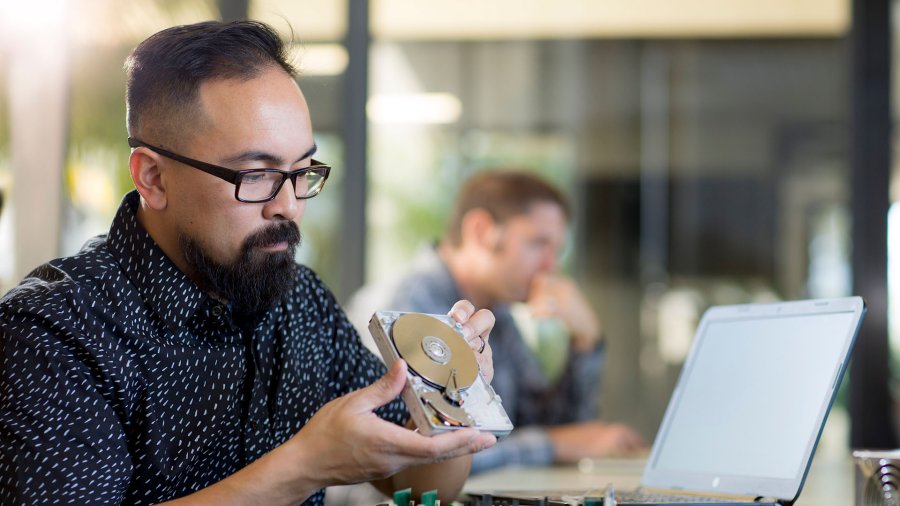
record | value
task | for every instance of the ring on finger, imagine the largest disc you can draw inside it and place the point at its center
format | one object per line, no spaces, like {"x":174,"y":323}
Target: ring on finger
{"x":483,"y":344}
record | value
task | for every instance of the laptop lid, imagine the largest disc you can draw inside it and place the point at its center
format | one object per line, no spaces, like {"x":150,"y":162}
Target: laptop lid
{"x":752,"y":398}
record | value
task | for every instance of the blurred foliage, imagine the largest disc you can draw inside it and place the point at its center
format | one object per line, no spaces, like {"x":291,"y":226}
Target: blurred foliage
{"x":424,"y":209}
{"x":98,"y":110}
{"x":98,"y":95}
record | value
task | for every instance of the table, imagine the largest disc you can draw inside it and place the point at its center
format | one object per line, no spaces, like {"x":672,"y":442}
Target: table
{"x":829,"y":482}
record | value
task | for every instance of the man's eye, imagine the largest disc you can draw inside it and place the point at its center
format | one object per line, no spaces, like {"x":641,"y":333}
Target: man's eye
{"x":253,"y":178}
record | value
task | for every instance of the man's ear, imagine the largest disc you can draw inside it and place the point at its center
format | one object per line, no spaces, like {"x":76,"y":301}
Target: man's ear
{"x":145,"y":173}
{"x":479,"y":227}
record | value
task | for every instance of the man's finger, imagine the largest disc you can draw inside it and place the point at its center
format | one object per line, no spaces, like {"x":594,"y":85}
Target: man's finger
{"x":383,"y":391}
{"x":417,"y":448}
{"x":462,"y":311}
{"x":482,"y":322}
{"x":449,"y":449}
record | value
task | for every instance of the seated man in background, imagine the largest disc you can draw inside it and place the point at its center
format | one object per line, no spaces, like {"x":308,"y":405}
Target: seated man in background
{"x":185,"y":356}
{"x":501,"y":247}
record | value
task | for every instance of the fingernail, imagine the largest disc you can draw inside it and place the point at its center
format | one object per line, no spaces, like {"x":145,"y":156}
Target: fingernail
{"x":488,"y":442}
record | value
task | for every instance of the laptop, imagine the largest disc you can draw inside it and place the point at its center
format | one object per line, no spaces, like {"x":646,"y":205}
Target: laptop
{"x":747,"y":412}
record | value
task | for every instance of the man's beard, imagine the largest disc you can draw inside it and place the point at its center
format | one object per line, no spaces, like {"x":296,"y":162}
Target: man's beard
{"x":254,"y":281}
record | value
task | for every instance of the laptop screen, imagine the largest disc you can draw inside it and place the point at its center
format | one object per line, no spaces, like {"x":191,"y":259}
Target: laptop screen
{"x":753,"y":396}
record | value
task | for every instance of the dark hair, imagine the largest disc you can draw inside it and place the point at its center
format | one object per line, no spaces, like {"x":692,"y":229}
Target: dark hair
{"x":165,"y":71}
{"x":504,"y":194}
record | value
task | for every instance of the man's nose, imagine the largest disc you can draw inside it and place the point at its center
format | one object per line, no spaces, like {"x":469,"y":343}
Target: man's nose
{"x":285,"y":203}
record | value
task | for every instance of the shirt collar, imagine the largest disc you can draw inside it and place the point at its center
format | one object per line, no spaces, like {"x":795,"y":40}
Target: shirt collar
{"x":161,"y":284}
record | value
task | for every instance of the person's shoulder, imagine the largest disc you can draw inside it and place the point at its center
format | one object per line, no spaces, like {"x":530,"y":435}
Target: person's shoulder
{"x":424,"y":290}
{"x":63,"y":282}
{"x":419,"y":281}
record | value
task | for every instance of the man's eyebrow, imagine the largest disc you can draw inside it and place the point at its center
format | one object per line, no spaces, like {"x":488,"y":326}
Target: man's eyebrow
{"x":268,"y":158}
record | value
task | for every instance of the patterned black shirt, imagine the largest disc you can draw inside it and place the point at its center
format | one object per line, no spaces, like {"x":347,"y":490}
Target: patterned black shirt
{"x":122,"y":382}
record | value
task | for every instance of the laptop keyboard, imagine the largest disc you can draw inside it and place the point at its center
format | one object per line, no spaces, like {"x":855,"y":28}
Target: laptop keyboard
{"x":654,"y":498}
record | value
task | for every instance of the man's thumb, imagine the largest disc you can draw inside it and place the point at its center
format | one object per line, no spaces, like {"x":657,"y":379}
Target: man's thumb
{"x":388,"y":386}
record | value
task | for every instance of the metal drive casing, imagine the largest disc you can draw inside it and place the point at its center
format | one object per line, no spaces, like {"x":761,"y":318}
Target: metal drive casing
{"x":433,"y":409}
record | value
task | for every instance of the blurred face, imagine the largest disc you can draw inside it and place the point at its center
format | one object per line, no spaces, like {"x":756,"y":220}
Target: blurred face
{"x":526,"y":245}
{"x":241,"y":251}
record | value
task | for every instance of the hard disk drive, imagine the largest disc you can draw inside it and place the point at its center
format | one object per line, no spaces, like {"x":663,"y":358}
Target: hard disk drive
{"x":444,"y":388}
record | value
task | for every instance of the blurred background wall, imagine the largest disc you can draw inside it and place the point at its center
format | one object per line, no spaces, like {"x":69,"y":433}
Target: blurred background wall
{"x":717,"y":151}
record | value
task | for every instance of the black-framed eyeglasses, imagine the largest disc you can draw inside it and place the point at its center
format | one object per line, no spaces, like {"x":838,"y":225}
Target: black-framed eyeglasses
{"x":254,"y":185}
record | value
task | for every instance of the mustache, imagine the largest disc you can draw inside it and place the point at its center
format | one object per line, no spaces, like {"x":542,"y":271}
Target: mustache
{"x":287,"y":231}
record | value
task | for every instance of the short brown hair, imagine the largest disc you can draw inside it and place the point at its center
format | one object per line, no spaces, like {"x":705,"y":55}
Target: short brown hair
{"x":504,"y":194}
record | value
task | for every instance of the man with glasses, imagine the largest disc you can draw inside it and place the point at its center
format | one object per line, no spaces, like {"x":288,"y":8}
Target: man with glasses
{"x":185,"y":356}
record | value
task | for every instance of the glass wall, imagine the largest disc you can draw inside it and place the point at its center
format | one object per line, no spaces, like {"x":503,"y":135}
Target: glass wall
{"x":704,"y":170}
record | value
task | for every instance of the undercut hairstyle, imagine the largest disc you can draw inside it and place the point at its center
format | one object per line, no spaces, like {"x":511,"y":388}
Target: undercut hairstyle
{"x":504,"y":194}
{"x":165,"y":71}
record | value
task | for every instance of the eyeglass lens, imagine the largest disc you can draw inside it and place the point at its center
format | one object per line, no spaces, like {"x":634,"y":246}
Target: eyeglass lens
{"x":263,"y":185}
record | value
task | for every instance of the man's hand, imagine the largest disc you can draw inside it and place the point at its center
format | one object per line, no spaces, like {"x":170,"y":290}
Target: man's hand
{"x":576,"y":441}
{"x":557,"y":296}
{"x":345,"y":442}
{"x":476,"y":327}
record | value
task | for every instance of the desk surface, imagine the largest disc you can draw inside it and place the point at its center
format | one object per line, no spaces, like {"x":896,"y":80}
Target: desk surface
{"x":829,"y":482}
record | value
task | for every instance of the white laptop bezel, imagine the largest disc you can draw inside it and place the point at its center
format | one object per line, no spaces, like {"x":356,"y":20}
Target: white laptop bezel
{"x":779,"y":488}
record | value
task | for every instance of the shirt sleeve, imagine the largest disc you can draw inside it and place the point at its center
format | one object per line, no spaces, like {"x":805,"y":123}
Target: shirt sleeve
{"x":582,"y":382}
{"x":61,"y":442}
